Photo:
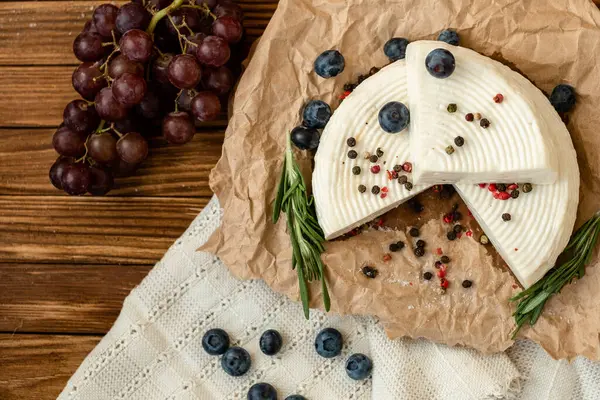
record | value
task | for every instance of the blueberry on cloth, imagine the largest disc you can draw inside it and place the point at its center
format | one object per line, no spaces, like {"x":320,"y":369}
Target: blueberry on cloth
{"x":449,"y":36}
{"x":395,"y":48}
{"x":295,"y":397}
{"x":262,"y":391}
{"x":316,"y":114}
{"x":394,"y":117}
{"x":563,"y":98}
{"x":236,"y":361}
{"x":359,"y":366}
{"x":440,"y":63}
{"x":270,"y":342}
{"x":329,"y":343}
{"x":305,"y":138}
{"x":215,"y":342}
{"x":329,"y":64}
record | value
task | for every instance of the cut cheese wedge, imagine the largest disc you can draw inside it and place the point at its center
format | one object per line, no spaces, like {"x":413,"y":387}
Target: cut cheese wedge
{"x":515,"y":147}
{"x":340,"y":205}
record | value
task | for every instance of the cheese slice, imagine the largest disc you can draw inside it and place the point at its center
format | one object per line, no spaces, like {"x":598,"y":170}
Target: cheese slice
{"x":340,"y":206}
{"x":515,"y":147}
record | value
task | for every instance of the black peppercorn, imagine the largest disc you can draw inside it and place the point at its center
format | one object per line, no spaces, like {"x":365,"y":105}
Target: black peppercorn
{"x":457,"y":228}
{"x":445,"y":259}
{"x":373,"y":71}
{"x":506,"y":217}
{"x":362,"y":188}
{"x":414,"y":232}
{"x":375,"y":189}
{"x":527,"y":187}
{"x":369,"y":272}
{"x":514,"y":194}
{"x":361,"y":78}
{"x":408,"y":186}
{"x":467,"y":283}
{"x":456,"y":216}
{"x":348,"y":87}
{"x":397,"y":168}
{"x":379,"y":152}
{"x":351,"y":142}
{"x":427,"y":276}
{"x":402,"y":179}
{"x":420,"y":243}
{"x":451,"y":235}
{"x":373,"y":158}
{"x":394,"y":247}
{"x":419,"y":251}
{"x":501,"y":187}
{"x":484,"y":123}
{"x":459,"y":141}
{"x":356,"y":170}
{"x":400,"y":244}
{"x":352,"y":154}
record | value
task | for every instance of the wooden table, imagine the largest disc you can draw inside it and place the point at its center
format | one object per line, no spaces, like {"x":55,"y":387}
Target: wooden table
{"x":67,"y":263}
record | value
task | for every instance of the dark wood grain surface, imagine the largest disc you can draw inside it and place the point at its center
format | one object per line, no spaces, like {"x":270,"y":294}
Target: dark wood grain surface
{"x":66,"y":264}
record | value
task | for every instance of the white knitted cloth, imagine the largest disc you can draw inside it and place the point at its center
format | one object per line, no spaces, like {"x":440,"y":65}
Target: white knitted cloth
{"x":154,"y":349}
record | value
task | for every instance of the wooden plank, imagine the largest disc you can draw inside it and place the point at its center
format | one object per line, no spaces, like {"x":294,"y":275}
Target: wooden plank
{"x":42,"y":33}
{"x":64,"y":298}
{"x":175,"y":171}
{"x":92,"y":230}
{"x":39,"y":366}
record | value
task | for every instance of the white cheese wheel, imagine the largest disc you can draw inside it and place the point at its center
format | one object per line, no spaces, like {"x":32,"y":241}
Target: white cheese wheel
{"x":515,"y":147}
{"x":340,"y":206}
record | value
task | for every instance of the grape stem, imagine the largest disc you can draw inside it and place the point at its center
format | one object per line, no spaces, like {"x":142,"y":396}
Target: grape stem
{"x":162,"y":13}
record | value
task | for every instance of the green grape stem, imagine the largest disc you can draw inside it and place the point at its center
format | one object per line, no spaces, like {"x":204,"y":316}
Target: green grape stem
{"x":162,"y":13}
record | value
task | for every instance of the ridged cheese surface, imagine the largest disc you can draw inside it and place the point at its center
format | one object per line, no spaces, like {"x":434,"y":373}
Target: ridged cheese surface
{"x":515,"y":147}
{"x":340,"y":206}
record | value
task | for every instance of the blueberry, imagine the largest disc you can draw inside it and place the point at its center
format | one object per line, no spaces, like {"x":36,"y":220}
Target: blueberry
{"x":236,"y":361}
{"x":295,"y":397}
{"x":449,"y":36}
{"x":262,"y":391}
{"x":305,"y":138}
{"x":329,"y":343}
{"x":395,"y":49}
{"x":563,"y":98}
{"x":359,"y":366}
{"x":440,"y":63}
{"x":316,"y":114}
{"x":215,"y":342}
{"x":394,"y":117}
{"x":329,"y":64}
{"x":270,"y":342}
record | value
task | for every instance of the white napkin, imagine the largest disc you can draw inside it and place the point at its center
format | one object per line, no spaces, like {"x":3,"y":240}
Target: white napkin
{"x":154,"y":349}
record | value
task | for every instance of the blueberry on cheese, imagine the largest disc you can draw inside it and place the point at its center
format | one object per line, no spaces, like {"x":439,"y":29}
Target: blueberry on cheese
{"x":510,"y":141}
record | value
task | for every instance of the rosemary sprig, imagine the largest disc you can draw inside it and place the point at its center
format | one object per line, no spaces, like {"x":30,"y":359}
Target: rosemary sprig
{"x":573,"y":260}
{"x":305,"y":233}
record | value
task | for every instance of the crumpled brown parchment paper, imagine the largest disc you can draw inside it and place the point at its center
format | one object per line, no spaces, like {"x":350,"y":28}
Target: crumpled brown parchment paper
{"x":550,"y":42}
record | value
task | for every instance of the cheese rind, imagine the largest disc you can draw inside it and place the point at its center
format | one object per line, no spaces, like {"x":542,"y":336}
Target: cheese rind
{"x":340,"y":206}
{"x":514,"y":147}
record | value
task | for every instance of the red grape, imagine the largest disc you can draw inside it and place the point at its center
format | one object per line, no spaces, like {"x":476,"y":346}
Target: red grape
{"x":210,"y":3}
{"x":101,"y":181}
{"x":88,"y":80}
{"x":102,"y":147}
{"x":76,"y":178}
{"x":136,"y":45}
{"x":184,"y":101}
{"x":126,"y":125}
{"x":228,"y":28}
{"x":129,"y":89}
{"x":104,"y":18}
{"x":89,"y":27}
{"x":206,"y":106}
{"x":189,"y":15}
{"x":57,"y":170}
{"x":88,"y":47}
{"x":150,"y":107}
{"x":69,"y":143}
{"x":81,"y":117}
{"x":160,"y":67}
{"x":132,"y":148}
{"x":108,"y":108}
{"x":159,"y":4}
{"x":228,"y":9}
{"x":178,"y":127}
{"x":213,"y":51}
{"x":196,"y":39}
{"x":184,"y":71}
{"x":121,"y":64}
{"x":218,"y":80}
{"x":132,"y":16}
{"x":124,"y":169}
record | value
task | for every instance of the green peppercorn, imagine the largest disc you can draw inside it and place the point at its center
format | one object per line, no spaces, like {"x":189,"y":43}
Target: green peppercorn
{"x":375,"y":189}
{"x":457,"y":228}
{"x":362,"y":188}
{"x":483,"y":239}
{"x":373,"y":158}
{"x":449,"y":149}
{"x":351,"y":142}
{"x":452,"y":108}
{"x":451,"y":235}
{"x":397,"y":168}
{"x":527,"y":187}
{"x":459,"y":141}
{"x":408,"y":186}
{"x":402,"y":179}
{"x":506,"y":217}
{"x":501,"y":187}
{"x":356,"y":170}
{"x":484,"y":123}
{"x":379,"y":152}
{"x":514,"y":194}
{"x":427,"y":276}
{"x":352,"y":154}
{"x":414,"y":232}
{"x":467,"y":284}
{"x":370,"y":272}
{"x":420,"y":243}
{"x":419,"y":251}
{"x":445,"y":259}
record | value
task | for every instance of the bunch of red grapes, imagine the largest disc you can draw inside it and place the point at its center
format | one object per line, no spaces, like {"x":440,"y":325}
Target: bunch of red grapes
{"x":151,"y":64}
